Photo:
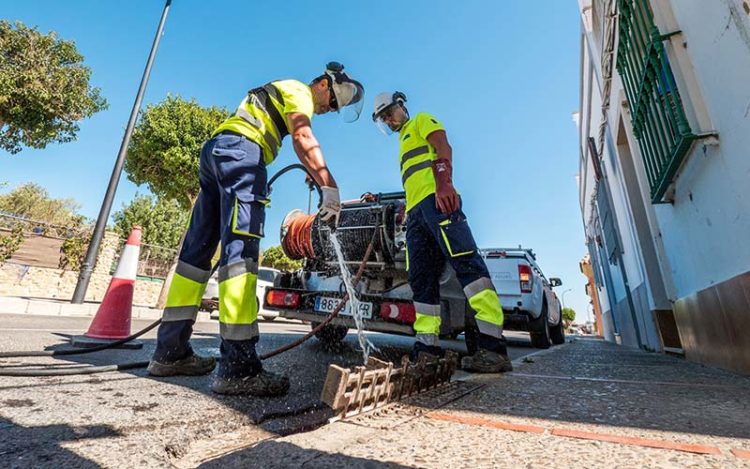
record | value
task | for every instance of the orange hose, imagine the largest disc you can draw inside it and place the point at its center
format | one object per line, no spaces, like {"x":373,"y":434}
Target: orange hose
{"x":297,"y":243}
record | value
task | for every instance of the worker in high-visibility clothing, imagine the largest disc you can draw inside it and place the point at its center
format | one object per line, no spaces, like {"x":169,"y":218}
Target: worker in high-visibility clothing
{"x":230,"y":210}
{"x":436,"y":231}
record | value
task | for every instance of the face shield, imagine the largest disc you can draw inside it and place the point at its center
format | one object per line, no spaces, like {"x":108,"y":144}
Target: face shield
{"x":382,"y":117}
{"x":347,"y":95}
{"x":347,"y":98}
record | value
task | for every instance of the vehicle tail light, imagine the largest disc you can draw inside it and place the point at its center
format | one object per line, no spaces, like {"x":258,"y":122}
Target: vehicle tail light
{"x":398,"y":312}
{"x":282,"y":299}
{"x":524,"y":278}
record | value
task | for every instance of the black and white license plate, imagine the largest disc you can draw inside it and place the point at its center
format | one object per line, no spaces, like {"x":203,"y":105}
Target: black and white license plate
{"x":326,"y":304}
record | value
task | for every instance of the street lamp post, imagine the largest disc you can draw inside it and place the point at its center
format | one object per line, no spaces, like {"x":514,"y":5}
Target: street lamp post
{"x":563,"y":296}
{"x":101,"y":221}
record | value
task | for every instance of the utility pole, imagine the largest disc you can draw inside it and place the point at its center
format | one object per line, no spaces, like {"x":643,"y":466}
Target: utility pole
{"x":563,"y":296}
{"x":101,"y":221}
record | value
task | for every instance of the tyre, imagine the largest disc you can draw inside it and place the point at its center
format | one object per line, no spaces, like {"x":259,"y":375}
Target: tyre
{"x":557,"y":332}
{"x":331,"y":336}
{"x":539,"y":330}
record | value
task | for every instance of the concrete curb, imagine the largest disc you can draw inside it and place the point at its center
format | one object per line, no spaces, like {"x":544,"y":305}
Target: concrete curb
{"x":54,"y":307}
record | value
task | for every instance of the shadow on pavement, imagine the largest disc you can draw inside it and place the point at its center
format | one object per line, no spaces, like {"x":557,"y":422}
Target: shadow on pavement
{"x":40,"y":446}
{"x":274,"y":454}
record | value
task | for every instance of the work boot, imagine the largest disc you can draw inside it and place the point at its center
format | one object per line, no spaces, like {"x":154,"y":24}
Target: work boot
{"x":264,"y":384}
{"x":194,"y":365}
{"x":420,"y":347}
{"x":486,"y":361}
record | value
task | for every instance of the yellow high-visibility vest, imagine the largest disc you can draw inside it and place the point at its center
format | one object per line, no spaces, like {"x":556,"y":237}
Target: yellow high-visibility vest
{"x":261,"y":116}
{"x":416,"y":156}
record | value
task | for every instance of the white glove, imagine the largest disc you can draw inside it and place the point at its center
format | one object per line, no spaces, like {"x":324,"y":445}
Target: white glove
{"x":330,"y":206}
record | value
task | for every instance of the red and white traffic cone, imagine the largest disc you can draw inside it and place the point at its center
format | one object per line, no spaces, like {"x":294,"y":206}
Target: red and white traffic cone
{"x":112,"y":320}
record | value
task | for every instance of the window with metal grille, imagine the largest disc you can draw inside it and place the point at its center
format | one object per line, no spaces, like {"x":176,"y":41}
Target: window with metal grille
{"x":658,"y":117}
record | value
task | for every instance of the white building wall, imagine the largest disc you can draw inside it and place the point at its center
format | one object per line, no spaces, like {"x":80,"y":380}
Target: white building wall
{"x":706,"y":231}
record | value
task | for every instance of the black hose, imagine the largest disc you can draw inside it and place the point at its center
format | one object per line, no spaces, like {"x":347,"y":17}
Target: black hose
{"x":88,"y":370}
{"x":133,"y":365}
{"x":286,"y":169}
{"x":79,"y":351}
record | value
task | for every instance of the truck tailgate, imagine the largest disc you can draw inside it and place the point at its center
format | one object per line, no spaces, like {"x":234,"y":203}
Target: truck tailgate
{"x":504,"y":275}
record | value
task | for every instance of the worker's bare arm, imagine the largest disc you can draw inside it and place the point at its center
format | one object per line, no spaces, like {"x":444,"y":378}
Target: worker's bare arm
{"x":308,"y":149}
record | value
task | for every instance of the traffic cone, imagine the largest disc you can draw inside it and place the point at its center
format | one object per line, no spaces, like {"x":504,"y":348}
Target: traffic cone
{"x":112,"y":320}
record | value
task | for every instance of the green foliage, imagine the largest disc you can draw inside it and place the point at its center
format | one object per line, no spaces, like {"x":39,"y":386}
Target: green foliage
{"x":274,"y":257}
{"x":73,"y":250}
{"x":44,"y":88}
{"x":569,"y":315}
{"x":162,"y":220}
{"x":9,"y":243}
{"x":165,"y":148}
{"x":33,"y":201}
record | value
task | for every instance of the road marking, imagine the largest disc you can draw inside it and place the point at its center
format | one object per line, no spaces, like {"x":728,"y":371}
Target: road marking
{"x":741,"y":453}
{"x":12,"y":329}
{"x":478,"y":421}
{"x":584,"y":435}
{"x":636,"y":441}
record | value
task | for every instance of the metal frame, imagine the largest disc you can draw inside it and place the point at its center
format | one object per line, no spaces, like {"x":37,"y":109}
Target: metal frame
{"x":658,"y":116}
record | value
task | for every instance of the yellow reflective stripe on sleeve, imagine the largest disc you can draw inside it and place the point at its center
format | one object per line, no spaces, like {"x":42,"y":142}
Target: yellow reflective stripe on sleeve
{"x":234,"y":222}
{"x":427,"y":324}
{"x":237,"y":301}
{"x":488,"y":308}
{"x":184,"y":292}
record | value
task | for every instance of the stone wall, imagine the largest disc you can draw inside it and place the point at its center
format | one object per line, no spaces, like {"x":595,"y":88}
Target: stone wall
{"x":42,"y":282}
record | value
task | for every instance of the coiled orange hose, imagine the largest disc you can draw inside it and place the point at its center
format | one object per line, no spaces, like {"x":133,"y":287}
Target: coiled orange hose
{"x":297,"y":244}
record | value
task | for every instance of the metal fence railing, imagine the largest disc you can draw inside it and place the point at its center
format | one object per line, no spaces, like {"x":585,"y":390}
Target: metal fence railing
{"x":41,"y":246}
{"x":658,"y":117}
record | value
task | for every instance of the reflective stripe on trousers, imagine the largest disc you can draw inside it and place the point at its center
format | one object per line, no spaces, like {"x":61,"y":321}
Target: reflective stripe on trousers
{"x":238,"y":306}
{"x":427,"y":324}
{"x":185,"y":292}
{"x":484,"y":300}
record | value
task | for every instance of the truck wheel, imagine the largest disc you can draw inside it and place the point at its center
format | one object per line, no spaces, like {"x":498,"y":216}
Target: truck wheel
{"x":539,"y":330}
{"x":331,"y":336}
{"x":557,"y":332}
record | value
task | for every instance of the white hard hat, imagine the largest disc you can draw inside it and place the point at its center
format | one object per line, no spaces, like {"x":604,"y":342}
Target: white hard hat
{"x":385,"y":101}
{"x":348,"y":93}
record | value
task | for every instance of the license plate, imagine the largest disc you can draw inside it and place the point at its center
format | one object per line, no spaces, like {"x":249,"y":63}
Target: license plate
{"x":326,"y":304}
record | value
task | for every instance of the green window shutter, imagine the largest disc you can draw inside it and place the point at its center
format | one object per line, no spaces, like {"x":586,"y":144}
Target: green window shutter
{"x":658,"y":117}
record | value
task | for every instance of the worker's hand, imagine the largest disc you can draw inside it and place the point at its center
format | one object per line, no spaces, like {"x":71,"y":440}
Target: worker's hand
{"x":330,"y":206}
{"x":446,"y":197}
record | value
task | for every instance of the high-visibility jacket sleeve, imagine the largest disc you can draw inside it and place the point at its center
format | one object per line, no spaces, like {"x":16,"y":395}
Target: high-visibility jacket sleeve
{"x":426,"y":124}
{"x":297,"y":97}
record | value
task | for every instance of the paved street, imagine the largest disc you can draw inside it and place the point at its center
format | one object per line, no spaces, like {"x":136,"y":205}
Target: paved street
{"x":134,"y":420}
{"x":587,"y":403}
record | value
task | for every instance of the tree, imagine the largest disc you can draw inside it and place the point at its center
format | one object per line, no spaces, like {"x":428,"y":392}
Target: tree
{"x":568,"y":315}
{"x":32,"y":201}
{"x":164,"y":153}
{"x":44,"y":88}
{"x":165,"y":148}
{"x":274,"y":257}
{"x":163,"y":220}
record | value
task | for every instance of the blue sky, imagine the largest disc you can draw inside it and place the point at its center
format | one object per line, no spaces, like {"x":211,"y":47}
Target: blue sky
{"x":501,"y":75}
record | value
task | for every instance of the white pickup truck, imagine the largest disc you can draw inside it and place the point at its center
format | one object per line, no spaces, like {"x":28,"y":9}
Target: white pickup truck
{"x":310,"y":293}
{"x":529,"y":303}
